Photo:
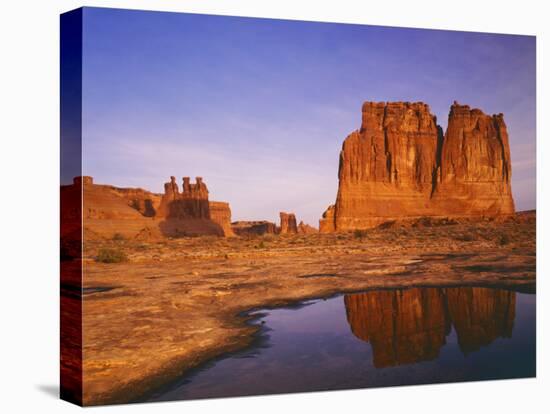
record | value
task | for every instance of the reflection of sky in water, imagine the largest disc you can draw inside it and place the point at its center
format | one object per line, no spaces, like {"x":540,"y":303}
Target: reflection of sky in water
{"x":313,"y":348}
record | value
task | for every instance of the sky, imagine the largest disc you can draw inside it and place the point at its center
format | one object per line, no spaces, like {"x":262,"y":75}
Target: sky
{"x":260,"y":107}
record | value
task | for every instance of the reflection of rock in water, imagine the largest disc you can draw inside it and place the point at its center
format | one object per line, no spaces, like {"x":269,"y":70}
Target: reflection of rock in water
{"x":410,"y":325}
{"x":480,"y":315}
{"x":403,"y":326}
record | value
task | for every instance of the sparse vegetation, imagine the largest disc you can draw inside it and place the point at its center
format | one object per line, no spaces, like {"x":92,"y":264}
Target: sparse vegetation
{"x":118,"y":237}
{"x":260,"y":245}
{"x":111,"y":256}
{"x":504,"y":239}
{"x":465,"y":237}
{"x":360,"y":234}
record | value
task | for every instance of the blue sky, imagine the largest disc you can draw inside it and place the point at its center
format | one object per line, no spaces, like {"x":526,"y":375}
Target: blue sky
{"x":260,"y":107}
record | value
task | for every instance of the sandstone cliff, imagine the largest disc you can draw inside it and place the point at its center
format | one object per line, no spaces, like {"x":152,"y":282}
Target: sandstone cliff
{"x":134,"y":212}
{"x":475,"y":171}
{"x":304,"y":228}
{"x":220,"y":213}
{"x":243,"y":228}
{"x":146,"y":202}
{"x":192,"y":202}
{"x":288,"y":223}
{"x":400,"y":165}
{"x":190,"y":212}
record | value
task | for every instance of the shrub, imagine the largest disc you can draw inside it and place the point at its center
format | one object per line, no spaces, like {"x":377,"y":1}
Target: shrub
{"x":359,"y":234}
{"x":504,"y":239}
{"x":465,"y":237}
{"x":118,"y":237}
{"x":111,"y":256}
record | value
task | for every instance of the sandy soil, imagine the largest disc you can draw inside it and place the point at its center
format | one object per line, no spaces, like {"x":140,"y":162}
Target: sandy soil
{"x":176,"y":303}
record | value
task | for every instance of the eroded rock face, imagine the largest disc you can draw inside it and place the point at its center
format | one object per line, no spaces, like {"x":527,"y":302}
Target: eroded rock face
{"x":327,"y":224}
{"x":190,"y":213}
{"x":134,"y":212}
{"x":192,"y":202}
{"x":220,"y":213}
{"x":475,"y":173}
{"x":243,"y":228}
{"x":304,"y":228}
{"x":288,"y":223}
{"x":399,"y":165}
{"x":146,"y":202}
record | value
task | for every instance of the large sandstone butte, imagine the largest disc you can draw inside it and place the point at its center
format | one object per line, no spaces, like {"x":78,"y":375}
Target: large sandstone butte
{"x":400,"y":165}
{"x":134,"y":212}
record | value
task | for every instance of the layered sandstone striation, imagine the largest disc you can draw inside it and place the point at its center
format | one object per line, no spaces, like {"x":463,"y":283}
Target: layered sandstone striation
{"x":220,"y":213}
{"x":474,"y":176}
{"x":400,"y":165}
{"x":411,"y":325}
{"x":288,"y":223}
{"x":146,"y":202}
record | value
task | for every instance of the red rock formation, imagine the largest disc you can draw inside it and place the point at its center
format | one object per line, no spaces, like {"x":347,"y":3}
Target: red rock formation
{"x":306,"y":228}
{"x":243,"y":228}
{"x":190,"y":212}
{"x":220,"y":213}
{"x":71,"y":221}
{"x":144,"y":201}
{"x":83,"y":180}
{"x":475,"y":173}
{"x":288,"y":223}
{"x":102,"y":202}
{"x":327,"y":224}
{"x":192,"y":202}
{"x":134,"y":212}
{"x":399,"y":165}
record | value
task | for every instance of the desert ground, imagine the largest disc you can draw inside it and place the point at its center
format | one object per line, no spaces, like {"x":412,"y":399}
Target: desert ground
{"x":155,"y":309}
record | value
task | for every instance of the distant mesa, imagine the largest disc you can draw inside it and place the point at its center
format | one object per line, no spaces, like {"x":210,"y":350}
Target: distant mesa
{"x":406,"y":326}
{"x":287,"y":226}
{"x":137,"y":213}
{"x":134,"y":212}
{"x":260,"y":227}
{"x":399,"y":164}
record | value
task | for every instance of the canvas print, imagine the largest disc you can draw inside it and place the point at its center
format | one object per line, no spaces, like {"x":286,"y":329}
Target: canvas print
{"x":258,"y":206}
